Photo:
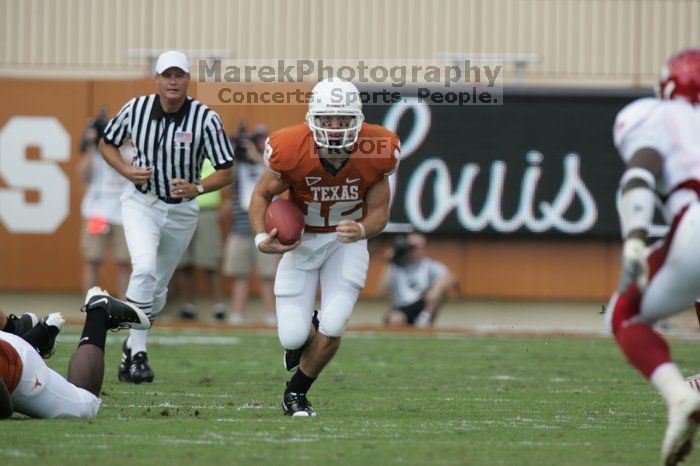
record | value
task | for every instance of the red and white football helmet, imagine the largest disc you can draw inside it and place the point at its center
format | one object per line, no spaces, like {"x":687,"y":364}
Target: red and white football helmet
{"x":680,"y":77}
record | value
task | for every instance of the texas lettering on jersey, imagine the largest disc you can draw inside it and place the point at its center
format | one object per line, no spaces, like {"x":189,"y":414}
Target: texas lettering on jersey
{"x":324,"y":197}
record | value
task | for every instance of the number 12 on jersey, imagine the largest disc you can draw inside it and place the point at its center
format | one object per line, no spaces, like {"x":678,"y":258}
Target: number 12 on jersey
{"x":335,"y":213}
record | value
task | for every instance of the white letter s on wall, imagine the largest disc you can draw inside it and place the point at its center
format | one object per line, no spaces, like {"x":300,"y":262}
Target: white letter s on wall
{"x":44,"y":176}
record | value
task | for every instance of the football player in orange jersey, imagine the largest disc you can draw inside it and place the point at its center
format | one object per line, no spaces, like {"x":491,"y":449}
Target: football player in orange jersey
{"x":335,"y":168}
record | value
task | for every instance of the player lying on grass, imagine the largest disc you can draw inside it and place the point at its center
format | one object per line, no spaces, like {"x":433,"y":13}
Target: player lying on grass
{"x":29,"y":386}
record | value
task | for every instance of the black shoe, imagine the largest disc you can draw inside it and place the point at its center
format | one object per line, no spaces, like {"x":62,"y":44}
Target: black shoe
{"x":23,"y":323}
{"x":139,"y":369}
{"x":188,"y":312}
{"x":296,"y":404}
{"x":292,"y":358}
{"x":42,"y":336}
{"x":50,"y":325}
{"x":220,"y":313}
{"x":125,"y":363}
{"x":120,"y":314}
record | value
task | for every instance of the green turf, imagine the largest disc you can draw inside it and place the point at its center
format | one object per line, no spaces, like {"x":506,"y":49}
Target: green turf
{"x":419,"y":400}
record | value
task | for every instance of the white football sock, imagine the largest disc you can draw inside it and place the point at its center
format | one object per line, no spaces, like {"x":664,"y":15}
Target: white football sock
{"x":137,"y":340}
{"x":669,"y":381}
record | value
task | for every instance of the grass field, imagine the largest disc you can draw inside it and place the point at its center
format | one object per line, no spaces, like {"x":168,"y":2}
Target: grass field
{"x":385,"y":399}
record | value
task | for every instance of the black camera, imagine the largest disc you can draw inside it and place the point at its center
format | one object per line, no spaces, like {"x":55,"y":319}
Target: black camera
{"x":402,"y":249}
{"x":95,"y":131}
{"x":239,"y":150}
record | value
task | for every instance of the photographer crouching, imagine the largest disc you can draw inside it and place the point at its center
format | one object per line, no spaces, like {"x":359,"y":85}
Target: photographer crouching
{"x":418,"y":284}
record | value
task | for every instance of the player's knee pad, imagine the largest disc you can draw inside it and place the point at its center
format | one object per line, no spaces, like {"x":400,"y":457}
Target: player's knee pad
{"x":293,"y":326}
{"x":336,"y":314}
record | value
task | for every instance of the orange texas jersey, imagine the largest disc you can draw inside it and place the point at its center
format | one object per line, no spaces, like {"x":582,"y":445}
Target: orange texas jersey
{"x":10,"y":365}
{"x":326,"y":198}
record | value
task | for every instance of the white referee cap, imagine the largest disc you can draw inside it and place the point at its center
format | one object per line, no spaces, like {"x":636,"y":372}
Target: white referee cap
{"x":172,"y":59}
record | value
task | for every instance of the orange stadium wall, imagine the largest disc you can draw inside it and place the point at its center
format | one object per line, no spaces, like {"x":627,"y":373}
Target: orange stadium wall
{"x":50,"y":260}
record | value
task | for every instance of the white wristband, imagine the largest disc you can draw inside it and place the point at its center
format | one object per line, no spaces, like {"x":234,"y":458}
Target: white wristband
{"x":259,"y":238}
{"x":362,"y":230}
{"x":636,"y":209}
{"x":638,"y":173}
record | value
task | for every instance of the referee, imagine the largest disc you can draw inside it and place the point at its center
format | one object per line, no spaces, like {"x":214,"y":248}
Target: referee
{"x":171,"y":134}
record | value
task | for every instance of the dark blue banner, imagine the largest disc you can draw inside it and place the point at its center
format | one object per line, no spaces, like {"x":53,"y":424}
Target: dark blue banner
{"x":543,"y":163}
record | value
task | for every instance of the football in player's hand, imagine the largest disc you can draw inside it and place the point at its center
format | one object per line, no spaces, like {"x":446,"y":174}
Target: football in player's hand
{"x":287,"y":218}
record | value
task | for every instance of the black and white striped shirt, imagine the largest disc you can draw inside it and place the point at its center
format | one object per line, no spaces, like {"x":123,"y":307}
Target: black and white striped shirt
{"x":172,"y":144}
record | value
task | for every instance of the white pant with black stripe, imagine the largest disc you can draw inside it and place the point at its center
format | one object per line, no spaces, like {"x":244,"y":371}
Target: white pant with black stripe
{"x":157,"y":234}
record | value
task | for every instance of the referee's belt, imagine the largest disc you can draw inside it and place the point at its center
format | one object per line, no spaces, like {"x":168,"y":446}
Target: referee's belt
{"x":167,"y":200}
{"x":172,"y":200}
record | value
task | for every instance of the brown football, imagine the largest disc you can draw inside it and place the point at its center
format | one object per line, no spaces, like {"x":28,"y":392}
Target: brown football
{"x":287,"y":218}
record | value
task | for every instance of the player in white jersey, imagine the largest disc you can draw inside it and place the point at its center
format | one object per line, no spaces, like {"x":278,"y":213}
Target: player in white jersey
{"x":659,"y":141}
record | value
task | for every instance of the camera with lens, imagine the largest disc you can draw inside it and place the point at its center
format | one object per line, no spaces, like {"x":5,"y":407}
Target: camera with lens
{"x":402,"y":250}
{"x":240,"y":152}
{"x":95,"y":131}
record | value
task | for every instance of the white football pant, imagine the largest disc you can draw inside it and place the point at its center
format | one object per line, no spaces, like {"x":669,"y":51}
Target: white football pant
{"x":341,"y":270}
{"x":157,"y":234}
{"x":674,"y":281}
{"x":43,"y":393}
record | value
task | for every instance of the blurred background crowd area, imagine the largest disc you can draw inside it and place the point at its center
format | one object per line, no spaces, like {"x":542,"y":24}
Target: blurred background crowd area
{"x":568,"y":67}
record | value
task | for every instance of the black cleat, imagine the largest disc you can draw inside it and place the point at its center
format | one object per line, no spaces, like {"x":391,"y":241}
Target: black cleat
{"x":188,"y":312}
{"x":125,"y":363}
{"x":120,"y":314}
{"x":43,"y":335}
{"x":220,"y":312}
{"x":134,"y":369}
{"x":50,"y":325}
{"x":296,"y":405}
{"x":292,"y":358}
{"x":139,"y":369}
{"x":23,"y":323}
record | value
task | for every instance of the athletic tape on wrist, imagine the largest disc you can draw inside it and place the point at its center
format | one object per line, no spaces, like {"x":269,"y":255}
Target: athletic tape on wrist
{"x":362,"y":231}
{"x":638,"y":173}
{"x":636,"y":210}
{"x":259,"y":238}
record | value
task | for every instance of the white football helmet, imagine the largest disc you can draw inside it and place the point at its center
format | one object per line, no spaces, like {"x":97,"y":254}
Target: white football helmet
{"x":335,"y":96}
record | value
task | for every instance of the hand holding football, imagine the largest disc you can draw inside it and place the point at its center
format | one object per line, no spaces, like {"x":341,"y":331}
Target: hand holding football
{"x":287,"y":218}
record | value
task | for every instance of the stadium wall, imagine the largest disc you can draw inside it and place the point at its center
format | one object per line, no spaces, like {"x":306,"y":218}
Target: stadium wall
{"x":589,"y":42}
{"x":40,"y":126}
